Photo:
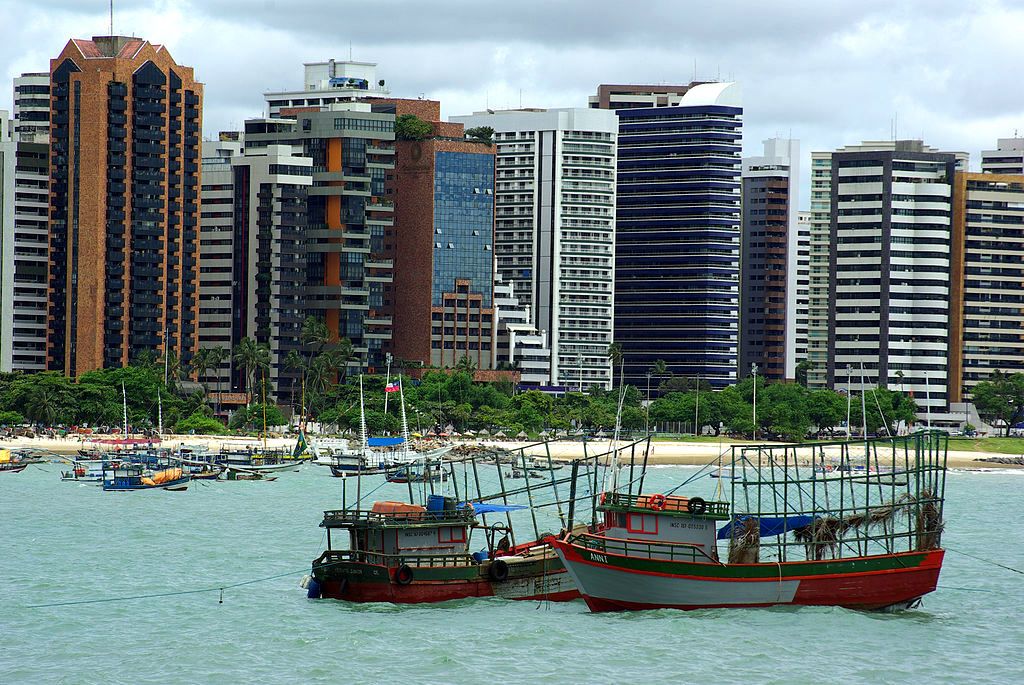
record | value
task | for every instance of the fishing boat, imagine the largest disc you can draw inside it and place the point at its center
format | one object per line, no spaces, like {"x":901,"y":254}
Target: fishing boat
{"x":133,"y":476}
{"x":258,"y":459}
{"x":862,"y":540}
{"x":238,"y":473}
{"x":407,"y":554}
{"x":415,"y":474}
{"x":376,"y":455}
{"x":9,"y":463}
{"x":84,"y":471}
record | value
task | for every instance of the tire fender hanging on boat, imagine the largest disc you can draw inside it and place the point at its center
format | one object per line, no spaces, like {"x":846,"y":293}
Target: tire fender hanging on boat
{"x":403,"y":574}
{"x":697,"y":506}
{"x":498,"y":571}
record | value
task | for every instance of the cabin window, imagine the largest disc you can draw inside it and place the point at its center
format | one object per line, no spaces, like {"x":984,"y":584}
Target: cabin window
{"x":450,"y":535}
{"x":645,"y":524}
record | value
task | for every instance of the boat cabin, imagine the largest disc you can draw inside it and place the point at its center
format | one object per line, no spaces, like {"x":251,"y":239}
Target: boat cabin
{"x":391,"y":533}
{"x":673,"y":525}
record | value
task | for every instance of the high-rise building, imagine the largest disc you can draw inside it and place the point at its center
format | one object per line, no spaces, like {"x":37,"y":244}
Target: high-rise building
{"x":31,"y":222}
{"x":443,"y":192}
{"x":124,"y":204}
{"x":987,"y":313}
{"x":7,"y":154}
{"x":1007,"y":158}
{"x":819,"y":322}
{"x":555,"y":229}
{"x":32,"y":107}
{"x":349,"y":262}
{"x":217,"y":250}
{"x":677,"y":228}
{"x":253,"y":254}
{"x":889,"y":280}
{"x":772,"y":278}
{"x":326,"y":83}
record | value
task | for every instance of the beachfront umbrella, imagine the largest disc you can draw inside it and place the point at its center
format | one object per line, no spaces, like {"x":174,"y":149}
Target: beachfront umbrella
{"x":500,"y":434}
{"x":522,"y":435}
{"x":416,"y":435}
{"x":469,"y":432}
{"x":484,"y":431}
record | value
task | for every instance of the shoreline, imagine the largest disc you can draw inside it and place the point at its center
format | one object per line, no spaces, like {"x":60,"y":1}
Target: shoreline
{"x":663,"y":453}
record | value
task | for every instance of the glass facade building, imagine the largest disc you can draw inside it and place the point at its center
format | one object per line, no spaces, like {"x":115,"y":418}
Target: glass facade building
{"x":463,"y":224}
{"x":678,"y":236}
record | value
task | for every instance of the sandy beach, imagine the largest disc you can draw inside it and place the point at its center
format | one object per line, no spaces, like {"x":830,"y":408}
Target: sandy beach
{"x":663,"y":452}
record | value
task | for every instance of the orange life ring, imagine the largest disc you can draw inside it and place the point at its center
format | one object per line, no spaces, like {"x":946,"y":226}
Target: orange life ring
{"x":657,"y":502}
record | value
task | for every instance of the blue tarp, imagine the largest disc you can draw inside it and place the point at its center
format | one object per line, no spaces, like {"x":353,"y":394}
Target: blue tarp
{"x":769,"y":526}
{"x":384,"y":442}
{"x":481,"y":508}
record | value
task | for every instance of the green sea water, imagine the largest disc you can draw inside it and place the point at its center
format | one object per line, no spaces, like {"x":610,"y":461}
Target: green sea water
{"x":66,"y":542}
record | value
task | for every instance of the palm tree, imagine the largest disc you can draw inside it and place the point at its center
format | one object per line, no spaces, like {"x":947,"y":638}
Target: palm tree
{"x":467,"y":364}
{"x":215,"y":356}
{"x":253,"y":357}
{"x":201,"y":365}
{"x":615,"y":356}
{"x":41,"y":407}
{"x":294,"y":362}
{"x":343,"y":355}
{"x":660,"y":368}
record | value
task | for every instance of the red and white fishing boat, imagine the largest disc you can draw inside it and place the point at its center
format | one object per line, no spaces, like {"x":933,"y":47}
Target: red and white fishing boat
{"x":867,"y":539}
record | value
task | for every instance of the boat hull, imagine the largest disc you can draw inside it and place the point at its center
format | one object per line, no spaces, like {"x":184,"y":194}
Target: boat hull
{"x":366,"y":582}
{"x":610,"y":582}
{"x":172,"y":486}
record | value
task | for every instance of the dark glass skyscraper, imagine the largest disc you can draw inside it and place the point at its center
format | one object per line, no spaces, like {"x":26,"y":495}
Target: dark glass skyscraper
{"x":678,"y":231}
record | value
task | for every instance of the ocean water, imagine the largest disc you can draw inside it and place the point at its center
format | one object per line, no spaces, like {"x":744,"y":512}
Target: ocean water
{"x":66,"y":542}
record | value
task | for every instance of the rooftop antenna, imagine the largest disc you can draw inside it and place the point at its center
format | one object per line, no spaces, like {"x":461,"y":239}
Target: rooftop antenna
{"x":111,"y":17}
{"x":694,"y":68}
{"x":349,"y":49}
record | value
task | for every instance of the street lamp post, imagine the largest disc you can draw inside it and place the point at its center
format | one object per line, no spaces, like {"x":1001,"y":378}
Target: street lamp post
{"x":753,"y":371}
{"x":387,"y":380}
{"x":696,"y":409}
{"x":849,"y":398}
{"x":579,"y":370}
{"x":647,"y":417}
{"x":928,"y":400}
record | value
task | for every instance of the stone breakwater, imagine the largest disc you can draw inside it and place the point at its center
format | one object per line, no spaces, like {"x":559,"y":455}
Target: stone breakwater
{"x":1010,"y":461}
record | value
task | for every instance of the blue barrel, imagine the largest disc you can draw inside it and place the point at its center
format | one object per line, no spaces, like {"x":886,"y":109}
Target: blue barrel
{"x":313,"y":590}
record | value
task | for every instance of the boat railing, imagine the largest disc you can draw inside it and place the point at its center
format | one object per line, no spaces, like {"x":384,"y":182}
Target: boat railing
{"x":419,"y":560}
{"x":662,"y":550}
{"x":349,"y":517}
{"x":663,"y":504}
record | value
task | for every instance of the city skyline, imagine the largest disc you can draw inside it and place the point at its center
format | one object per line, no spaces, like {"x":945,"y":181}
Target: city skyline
{"x":829,"y":76}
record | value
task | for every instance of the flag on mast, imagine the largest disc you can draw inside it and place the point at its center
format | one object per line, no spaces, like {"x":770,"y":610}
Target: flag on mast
{"x":391,"y":387}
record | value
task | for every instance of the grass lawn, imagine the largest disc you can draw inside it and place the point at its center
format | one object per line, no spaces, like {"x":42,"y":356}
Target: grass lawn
{"x":995,"y":445}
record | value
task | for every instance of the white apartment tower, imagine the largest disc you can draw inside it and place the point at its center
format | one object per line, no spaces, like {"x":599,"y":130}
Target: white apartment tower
{"x":890,"y":269}
{"x":1007,"y":158}
{"x":23,"y":311}
{"x":326,"y":83}
{"x":555,"y":229}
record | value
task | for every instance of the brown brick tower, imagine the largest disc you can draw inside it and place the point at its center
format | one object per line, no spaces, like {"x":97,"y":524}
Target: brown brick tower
{"x":124,"y":204}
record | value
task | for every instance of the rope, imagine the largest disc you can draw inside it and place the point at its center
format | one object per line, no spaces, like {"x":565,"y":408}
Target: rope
{"x":219,"y":588}
{"x":987,"y":561}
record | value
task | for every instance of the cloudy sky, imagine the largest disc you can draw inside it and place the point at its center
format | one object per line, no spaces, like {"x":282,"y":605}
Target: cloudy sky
{"x":829,"y":73}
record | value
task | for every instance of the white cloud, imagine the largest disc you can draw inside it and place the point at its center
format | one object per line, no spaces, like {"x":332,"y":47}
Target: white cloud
{"x":828,"y":73}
